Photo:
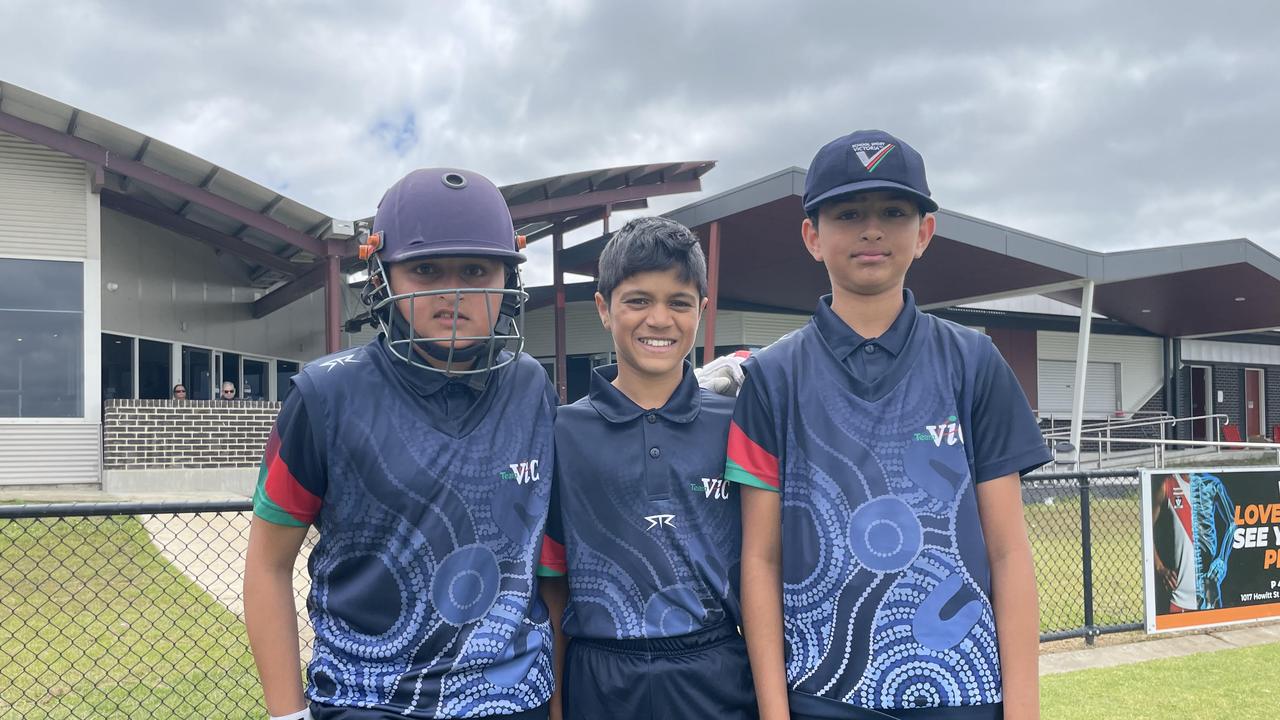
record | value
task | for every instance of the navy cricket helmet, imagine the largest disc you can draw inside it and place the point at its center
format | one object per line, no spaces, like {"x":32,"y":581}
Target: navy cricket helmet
{"x":444,"y":212}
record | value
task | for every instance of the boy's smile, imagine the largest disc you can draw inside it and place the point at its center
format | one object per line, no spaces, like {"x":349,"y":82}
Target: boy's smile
{"x":653,"y":317}
{"x":868,"y":241}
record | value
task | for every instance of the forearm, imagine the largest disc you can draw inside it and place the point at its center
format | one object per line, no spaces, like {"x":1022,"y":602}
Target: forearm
{"x":555,"y":594}
{"x":1017,"y":612}
{"x":271,"y":620}
{"x":762,"y":628}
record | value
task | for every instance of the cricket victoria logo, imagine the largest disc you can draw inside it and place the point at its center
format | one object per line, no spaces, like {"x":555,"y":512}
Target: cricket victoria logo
{"x":664,"y":519}
{"x":871,"y":153}
{"x":712,"y":488}
{"x":522,"y":472}
{"x":948,"y":432}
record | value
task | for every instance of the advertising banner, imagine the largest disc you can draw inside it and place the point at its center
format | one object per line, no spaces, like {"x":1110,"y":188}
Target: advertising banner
{"x":1211,"y":546}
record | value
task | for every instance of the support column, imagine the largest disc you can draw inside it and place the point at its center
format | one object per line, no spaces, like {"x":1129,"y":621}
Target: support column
{"x":1082,"y":367}
{"x":713,"y":294}
{"x":562,"y":382}
{"x":333,"y":304}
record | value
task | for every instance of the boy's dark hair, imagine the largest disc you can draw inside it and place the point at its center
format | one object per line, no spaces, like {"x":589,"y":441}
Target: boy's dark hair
{"x":652,"y":243}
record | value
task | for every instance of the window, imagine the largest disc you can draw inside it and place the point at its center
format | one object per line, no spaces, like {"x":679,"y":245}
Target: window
{"x":231,"y":373}
{"x":41,"y":339}
{"x":117,"y":367}
{"x":285,"y":369}
{"x":197,"y":372}
{"x":154,"y":376}
{"x":255,"y":380}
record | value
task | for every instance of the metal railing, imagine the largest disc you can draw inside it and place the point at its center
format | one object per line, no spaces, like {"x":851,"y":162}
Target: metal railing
{"x":1102,"y":436}
{"x":135,"y":610}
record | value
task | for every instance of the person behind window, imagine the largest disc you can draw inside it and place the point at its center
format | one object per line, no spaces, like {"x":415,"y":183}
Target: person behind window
{"x":228,"y":390}
{"x":179,"y":392}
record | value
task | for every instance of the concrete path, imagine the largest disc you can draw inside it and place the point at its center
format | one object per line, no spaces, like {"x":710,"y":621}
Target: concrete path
{"x":1158,"y":648}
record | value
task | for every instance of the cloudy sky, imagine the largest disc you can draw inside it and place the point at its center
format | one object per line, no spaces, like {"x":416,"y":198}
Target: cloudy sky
{"x":1103,"y":124}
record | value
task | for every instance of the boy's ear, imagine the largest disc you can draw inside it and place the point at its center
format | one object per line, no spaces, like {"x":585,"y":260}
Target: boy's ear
{"x":702,"y":307}
{"x":602,"y":307}
{"x":928,"y":224}
{"x":809,"y":232}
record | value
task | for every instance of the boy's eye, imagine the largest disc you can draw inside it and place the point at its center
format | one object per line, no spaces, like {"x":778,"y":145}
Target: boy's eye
{"x":475,"y":271}
{"x":847,"y":215}
{"x":424,"y":269}
{"x":636,"y":302}
{"x":895,"y":212}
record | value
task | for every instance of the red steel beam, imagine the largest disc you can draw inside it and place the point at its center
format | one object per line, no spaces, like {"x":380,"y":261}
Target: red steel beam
{"x":171,"y":221}
{"x":95,"y":154}
{"x":562,"y":383}
{"x":713,"y":292}
{"x":303,"y":285}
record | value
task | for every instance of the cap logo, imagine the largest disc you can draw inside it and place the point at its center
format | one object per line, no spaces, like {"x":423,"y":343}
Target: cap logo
{"x":871,"y":153}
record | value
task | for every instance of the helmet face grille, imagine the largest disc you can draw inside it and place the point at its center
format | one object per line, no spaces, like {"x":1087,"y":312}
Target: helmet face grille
{"x":506,"y":330}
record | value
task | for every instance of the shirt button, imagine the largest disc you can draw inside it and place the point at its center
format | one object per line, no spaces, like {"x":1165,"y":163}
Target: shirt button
{"x":654,"y":452}
{"x":868,"y":349}
{"x":651,"y":417}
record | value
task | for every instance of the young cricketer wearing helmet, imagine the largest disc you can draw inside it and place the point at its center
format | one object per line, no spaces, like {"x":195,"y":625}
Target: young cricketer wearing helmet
{"x":886,"y":570}
{"x":648,"y":528}
{"x":423,"y":459}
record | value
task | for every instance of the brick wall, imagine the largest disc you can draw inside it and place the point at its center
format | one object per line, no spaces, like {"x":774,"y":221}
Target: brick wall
{"x":184,"y":434}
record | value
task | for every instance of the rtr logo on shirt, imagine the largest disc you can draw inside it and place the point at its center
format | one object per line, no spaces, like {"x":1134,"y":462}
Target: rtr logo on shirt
{"x":666,"y":520}
{"x":948,"y":432}
{"x":522,"y":472}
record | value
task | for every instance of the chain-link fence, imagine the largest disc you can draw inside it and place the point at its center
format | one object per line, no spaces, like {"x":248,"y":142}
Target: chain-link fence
{"x":1086,"y":537}
{"x":135,"y":611}
{"x":128,"y":611}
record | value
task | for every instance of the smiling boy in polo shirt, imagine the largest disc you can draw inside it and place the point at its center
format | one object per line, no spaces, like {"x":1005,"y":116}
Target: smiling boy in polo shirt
{"x":648,"y":529}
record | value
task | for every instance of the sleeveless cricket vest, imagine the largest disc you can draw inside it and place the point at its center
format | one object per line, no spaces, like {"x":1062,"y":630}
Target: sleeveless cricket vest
{"x":423,"y":596}
{"x":886,"y":582}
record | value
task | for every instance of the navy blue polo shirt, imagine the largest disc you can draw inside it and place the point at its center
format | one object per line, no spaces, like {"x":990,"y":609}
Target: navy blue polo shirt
{"x":886,"y":582}
{"x":650,"y":528}
{"x":867,"y":358}
{"x":430,"y":499}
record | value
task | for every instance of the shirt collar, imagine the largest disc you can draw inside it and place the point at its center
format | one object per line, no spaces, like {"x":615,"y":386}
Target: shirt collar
{"x":424,"y":382}
{"x":843,"y":339}
{"x":614,"y":406}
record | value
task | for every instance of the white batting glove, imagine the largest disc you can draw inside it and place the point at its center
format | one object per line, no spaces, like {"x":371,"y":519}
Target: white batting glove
{"x":723,"y":375}
{"x":303,"y":714}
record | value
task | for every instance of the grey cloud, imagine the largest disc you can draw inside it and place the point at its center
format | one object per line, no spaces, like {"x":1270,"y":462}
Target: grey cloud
{"x":1103,"y":124}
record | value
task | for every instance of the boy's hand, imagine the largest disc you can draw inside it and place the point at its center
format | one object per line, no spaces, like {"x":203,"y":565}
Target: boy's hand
{"x":723,"y":375}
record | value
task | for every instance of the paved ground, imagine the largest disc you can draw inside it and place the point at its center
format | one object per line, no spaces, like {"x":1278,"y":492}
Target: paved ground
{"x":211,"y":553}
{"x":1142,"y":648}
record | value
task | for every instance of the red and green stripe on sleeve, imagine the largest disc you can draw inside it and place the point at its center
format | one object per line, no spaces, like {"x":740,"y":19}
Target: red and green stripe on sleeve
{"x":551,"y":561}
{"x":279,"y":497}
{"x":748,"y":463}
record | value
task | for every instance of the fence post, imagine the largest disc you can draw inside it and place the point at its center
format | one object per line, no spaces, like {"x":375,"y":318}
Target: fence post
{"x":1086,"y":560}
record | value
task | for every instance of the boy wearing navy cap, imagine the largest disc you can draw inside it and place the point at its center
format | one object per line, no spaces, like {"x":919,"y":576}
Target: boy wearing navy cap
{"x":648,"y":529}
{"x":886,"y":571}
{"x":424,"y":460}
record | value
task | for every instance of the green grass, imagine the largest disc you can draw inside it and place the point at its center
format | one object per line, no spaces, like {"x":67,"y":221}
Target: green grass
{"x":94,"y":622}
{"x":1116,"y":554}
{"x":1236,"y":684}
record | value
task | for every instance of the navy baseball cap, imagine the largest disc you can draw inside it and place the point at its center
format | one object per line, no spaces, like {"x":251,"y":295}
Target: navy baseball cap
{"x":866,"y":160}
